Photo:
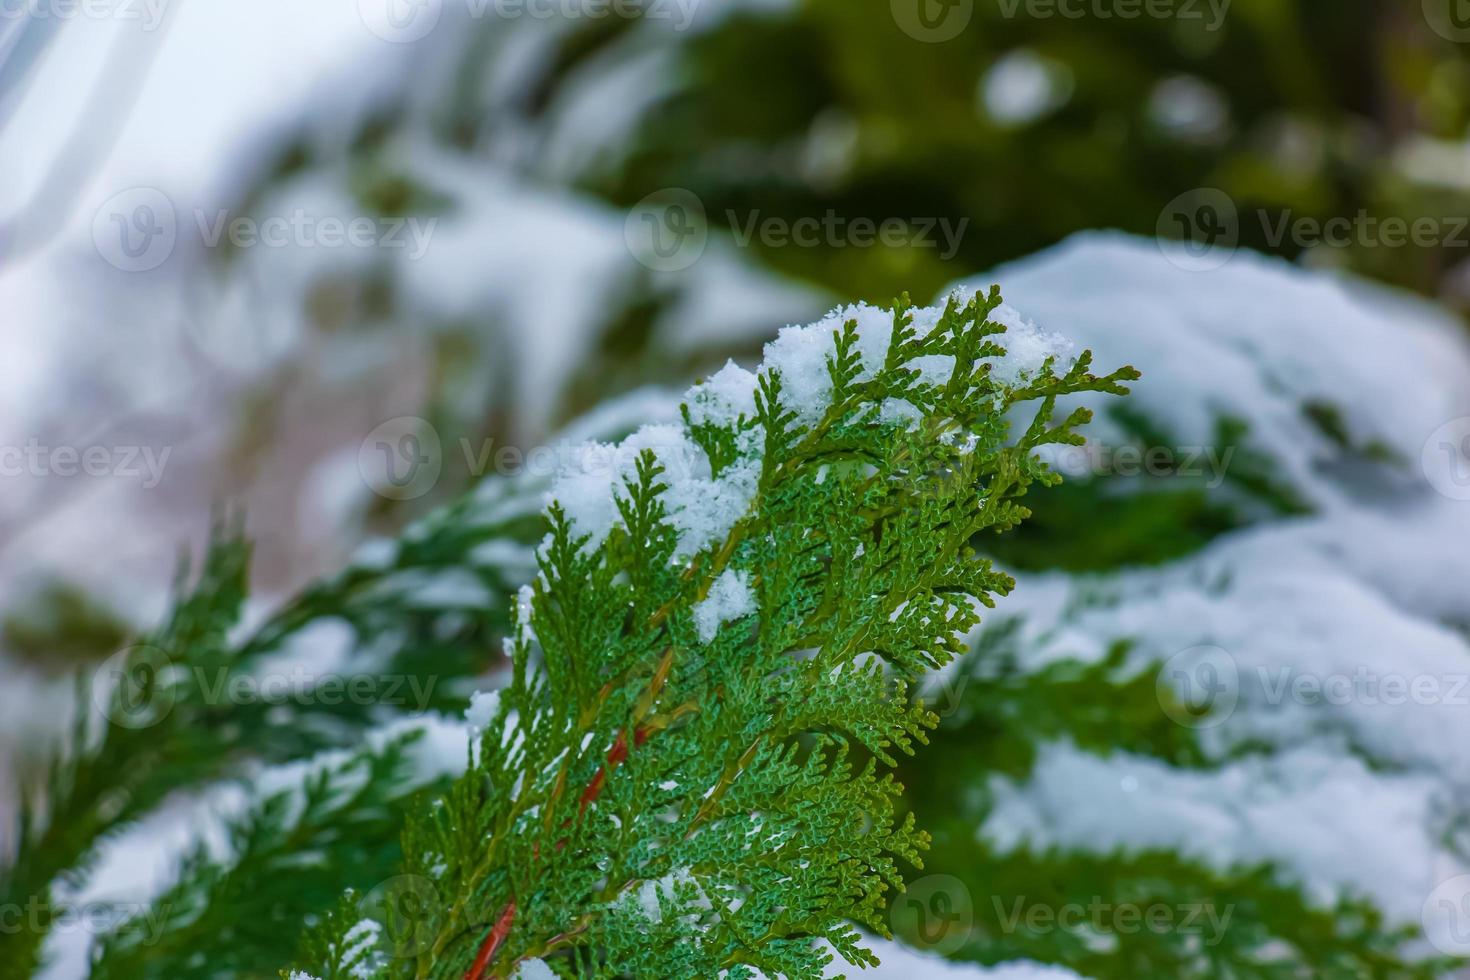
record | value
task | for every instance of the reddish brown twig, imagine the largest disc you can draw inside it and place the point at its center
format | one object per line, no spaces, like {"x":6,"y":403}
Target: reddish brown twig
{"x":501,"y":930}
{"x":615,"y":757}
{"x":492,"y":943}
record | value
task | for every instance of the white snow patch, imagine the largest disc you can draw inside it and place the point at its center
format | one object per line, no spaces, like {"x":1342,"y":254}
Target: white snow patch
{"x":482,"y":709}
{"x":729,"y":599}
{"x":702,"y":508}
{"x":1257,"y":340}
{"x":534,"y":969}
{"x":724,"y":397}
{"x":1256,"y":810}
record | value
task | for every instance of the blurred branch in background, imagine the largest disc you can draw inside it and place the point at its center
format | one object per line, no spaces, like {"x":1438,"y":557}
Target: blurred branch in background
{"x":95,"y":125}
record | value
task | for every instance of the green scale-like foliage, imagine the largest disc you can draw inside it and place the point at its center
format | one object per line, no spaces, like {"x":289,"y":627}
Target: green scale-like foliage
{"x":643,"y":803}
{"x":167,"y":725}
{"x":1251,"y":922}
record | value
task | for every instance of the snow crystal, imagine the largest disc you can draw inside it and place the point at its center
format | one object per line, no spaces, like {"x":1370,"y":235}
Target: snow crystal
{"x":729,"y":598}
{"x":525,"y":607}
{"x":701,"y":508}
{"x":648,"y":901}
{"x":648,"y":892}
{"x":800,"y":353}
{"x":442,"y":749}
{"x":728,"y":394}
{"x":704,"y":508}
{"x":534,"y":970}
{"x":482,"y":709}
{"x":1027,"y":347}
{"x":622,"y":414}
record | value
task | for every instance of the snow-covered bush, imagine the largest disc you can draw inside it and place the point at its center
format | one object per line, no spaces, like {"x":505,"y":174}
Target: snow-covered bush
{"x":1131,"y":730}
{"x":683,"y":775}
{"x":1262,"y":716}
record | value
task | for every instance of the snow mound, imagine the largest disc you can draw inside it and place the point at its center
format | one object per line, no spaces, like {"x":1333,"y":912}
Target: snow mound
{"x":1261,"y":341}
{"x":1336,"y":642}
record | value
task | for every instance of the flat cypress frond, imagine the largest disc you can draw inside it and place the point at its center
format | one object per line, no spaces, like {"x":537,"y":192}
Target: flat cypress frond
{"x":686,"y":774}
